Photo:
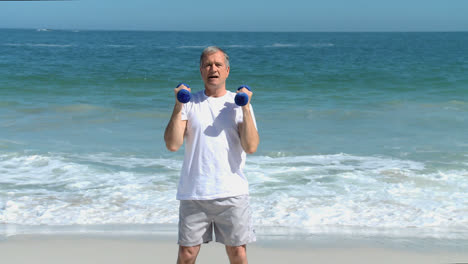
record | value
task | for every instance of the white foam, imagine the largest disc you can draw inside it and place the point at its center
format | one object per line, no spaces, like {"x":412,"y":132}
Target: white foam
{"x":281,"y":45}
{"x":129,"y":162}
{"x":239,"y":46}
{"x":120,"y":46}
{"x":57,"y":191}
{"x":49,"y":45}
{"x":191,"y":47}
{"x":352,"y":191}
{"x":317,"y":192}
{"x":38,"y":45}
{"x":291,"y":45}
{"x":322,"y":45}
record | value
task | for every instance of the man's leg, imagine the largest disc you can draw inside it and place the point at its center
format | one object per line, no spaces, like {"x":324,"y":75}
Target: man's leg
{"x":195,"y":228}
{"x":188,"y":255}
{"x":237,"y":255}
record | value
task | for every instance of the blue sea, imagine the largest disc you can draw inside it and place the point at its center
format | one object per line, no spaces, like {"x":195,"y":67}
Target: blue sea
{"x":361,"y":133}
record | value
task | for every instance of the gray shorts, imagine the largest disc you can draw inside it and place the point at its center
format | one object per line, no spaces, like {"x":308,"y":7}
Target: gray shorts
{"x":229,"y":217}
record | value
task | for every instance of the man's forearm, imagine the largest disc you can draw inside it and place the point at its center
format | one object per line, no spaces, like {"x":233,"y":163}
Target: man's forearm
{"x":174,"y":134}
{"x":248,"y":132}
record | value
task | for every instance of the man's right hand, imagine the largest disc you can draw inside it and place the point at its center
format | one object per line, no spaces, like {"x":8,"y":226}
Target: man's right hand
{"x":177,"y":89}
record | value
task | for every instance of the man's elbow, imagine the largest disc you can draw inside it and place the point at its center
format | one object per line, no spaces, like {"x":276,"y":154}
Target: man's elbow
{"x":250,"y":149}
{"x":172,"y":147}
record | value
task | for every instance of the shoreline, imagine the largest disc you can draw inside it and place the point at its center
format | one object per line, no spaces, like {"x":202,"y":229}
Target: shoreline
{"x":392,"y":238}
{"x":115,"y":249}
{"x":116,"y":244}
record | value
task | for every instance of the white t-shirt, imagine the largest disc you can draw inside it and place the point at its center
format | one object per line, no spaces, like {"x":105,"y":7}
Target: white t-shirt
{"x":214,"y":157}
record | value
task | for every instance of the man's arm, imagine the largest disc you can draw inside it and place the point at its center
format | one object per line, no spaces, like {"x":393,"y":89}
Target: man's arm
{"x":175,"y":130}
{"x":247,"y":130}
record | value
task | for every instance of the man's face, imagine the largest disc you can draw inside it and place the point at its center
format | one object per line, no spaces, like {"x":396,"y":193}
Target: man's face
{"x":214,"y":70}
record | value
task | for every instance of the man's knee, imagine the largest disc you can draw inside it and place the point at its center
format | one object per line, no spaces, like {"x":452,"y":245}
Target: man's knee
{"x":237,"y":251}
{"x":188,"y":254}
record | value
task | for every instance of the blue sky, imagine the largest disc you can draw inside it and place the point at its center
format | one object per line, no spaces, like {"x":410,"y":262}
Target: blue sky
{"x":239,"y":15}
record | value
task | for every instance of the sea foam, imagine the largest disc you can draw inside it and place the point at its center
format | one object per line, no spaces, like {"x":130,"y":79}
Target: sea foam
{"x":312,"y":192}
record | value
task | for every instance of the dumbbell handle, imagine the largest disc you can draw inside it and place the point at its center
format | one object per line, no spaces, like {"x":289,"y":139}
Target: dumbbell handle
{"x":241,"y":98}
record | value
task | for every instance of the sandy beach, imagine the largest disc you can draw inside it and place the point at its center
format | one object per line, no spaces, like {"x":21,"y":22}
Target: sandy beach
{"x":51,"y":249}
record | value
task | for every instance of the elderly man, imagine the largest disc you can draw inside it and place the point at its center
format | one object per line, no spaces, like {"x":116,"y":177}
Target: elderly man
{"x":213,"y":190}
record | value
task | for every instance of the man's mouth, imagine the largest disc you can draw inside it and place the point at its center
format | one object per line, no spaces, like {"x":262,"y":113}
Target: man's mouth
{"x":213,"y":77}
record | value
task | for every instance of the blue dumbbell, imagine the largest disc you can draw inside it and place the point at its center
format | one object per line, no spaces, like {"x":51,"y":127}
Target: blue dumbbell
{"x":183,"y":95}
{"x":242,"y":99}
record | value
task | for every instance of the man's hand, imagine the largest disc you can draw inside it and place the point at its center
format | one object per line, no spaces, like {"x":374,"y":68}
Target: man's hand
{"x":243,"y":96}
{"x":180,"y":87}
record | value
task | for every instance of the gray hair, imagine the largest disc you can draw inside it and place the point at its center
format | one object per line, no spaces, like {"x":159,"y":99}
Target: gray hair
{"x":211,"y":50}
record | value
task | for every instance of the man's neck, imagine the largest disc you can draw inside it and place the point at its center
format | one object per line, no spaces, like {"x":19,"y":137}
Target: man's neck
{"x":215,"y":91}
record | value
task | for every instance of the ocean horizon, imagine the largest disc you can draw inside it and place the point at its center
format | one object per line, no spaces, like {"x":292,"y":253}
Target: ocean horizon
{"x":228,"y":31}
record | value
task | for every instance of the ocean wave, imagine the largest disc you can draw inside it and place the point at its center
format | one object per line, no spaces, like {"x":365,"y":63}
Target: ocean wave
{"x":274,"y":45}
{"x":129,"y":162}
{"x":239,"y":46}
{"x":321,"y":45}
{"x":281,"y":45}
{"x":353,"y":191}
{"x":291,"y":45}
{"x":120,"y":46}
{"x":311,"y":192}
{"x":47,"y":45}
{"x":192,"y":47}
{"x":59,"y":190}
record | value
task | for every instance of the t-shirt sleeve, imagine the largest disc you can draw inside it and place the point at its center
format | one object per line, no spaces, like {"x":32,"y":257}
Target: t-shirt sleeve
{"x":184,"y":112}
